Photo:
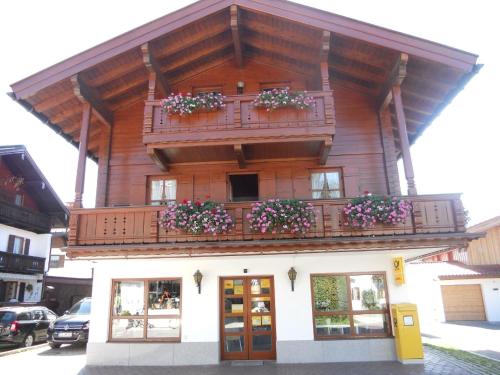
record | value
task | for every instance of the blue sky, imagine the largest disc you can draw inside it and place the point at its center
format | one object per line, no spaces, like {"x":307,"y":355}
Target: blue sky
{"x":460,"y":152}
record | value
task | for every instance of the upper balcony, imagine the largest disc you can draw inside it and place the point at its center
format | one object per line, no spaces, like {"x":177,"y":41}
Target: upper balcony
{"x":437,"y":220}
{"x":22,"y":217}
{"x":18,"y":263}
{"x":240,"y":132}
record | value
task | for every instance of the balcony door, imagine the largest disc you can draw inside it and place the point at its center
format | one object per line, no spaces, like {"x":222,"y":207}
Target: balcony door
{"x":247,"y":318}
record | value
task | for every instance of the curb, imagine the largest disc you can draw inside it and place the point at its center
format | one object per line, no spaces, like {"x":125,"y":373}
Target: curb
{"x":20,"y":350}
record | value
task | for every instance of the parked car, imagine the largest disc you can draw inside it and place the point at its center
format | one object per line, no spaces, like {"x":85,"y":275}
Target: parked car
{"x":23,"y":325}
{"x":72,"y":327}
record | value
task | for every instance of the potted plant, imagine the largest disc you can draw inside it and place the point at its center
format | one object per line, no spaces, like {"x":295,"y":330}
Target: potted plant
{"x":368,"y":210}
{"x":278,"y":98}
{"x":206,"y":217}
{"x":281,"y":216}
{"x":187,"y":104}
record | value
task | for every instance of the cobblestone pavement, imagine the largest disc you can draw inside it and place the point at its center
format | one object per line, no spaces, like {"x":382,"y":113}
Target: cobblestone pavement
{"x":71,"y":361}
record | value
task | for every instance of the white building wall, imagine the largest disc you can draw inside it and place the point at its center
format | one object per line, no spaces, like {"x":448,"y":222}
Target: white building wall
{"x":39,"y":243}
{"x":200,"y":312}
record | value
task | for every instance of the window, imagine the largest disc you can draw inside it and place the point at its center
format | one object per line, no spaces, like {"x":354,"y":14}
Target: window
{"x":54,"y":261}
{"x":269,"y":86}
{"x":346,"y":306}
{"x":244,"y":187}
{"x":154,"y":304}
{"x":207,"y":90}
{"x":326,"y":185}
{"x":163,"y":191}
{"x":19,"y":199}
{"x":18,"y":245}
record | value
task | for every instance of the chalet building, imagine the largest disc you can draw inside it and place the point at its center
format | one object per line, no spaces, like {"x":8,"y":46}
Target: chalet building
{"x":288,"y":103}
{"x":29,"y":209}
{"x":463,"y":283}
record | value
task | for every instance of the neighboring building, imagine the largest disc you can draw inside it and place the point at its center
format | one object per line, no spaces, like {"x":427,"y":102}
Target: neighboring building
{"x":461,"y":284}
{"x":374,"y":90}
{"x":68,"y":280}
{"x":29,"y":208}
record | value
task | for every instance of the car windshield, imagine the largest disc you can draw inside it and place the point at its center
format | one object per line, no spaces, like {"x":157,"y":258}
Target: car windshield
{"x":7,"y":317}
{"x":81,"y":308}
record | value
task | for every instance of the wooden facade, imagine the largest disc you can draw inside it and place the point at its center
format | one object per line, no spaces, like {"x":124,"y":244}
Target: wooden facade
{"x":486,"y":250}
{"x":375,"y":92}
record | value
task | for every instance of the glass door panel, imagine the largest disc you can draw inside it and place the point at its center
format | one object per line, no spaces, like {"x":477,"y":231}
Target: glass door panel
{"x":247,"y":318}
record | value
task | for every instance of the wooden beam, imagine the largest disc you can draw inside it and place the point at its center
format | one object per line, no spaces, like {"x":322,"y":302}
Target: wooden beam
{"x":396,"y":77}
{"x":159,"y":158}
{"x":325,"y":151}
{"x":54,"y":100}
{"x":88,"y":95}
{"x":65,"y":115}
{"x":238,"y":49}
{"x":403,"y":140}
{"x":153,"y":66}
{"x":82,"y":155}
{"x":225,"y":57}
{"x":240,"y":155}
{"x":323,"y":57}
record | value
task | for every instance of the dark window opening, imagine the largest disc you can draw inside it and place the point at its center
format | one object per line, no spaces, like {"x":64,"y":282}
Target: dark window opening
{"x":244,"y":187}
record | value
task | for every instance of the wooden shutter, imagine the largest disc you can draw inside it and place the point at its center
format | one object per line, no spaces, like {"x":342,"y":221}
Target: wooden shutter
{"x":10,"y":245}
{"x":27,"y":246}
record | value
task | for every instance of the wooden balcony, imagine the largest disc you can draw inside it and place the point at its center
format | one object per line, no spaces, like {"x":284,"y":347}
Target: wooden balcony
{"x":21,"y":217}
{"x":17,"y":263}
{"x":137,"y":227}
{"x":240,"y":132}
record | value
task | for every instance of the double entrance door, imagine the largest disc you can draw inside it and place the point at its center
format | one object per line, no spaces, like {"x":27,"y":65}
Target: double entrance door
{"x":247,"y":318}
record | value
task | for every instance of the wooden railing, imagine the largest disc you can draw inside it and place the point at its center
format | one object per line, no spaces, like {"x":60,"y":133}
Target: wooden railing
{"x":21,"y":217}
{"x":10,"y":262}
{"x":139,"y":225}
{"x":238,"y":114}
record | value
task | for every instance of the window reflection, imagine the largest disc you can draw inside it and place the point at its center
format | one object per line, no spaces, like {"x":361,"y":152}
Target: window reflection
{"x":129,"y":298}
{"x":164,"y":297}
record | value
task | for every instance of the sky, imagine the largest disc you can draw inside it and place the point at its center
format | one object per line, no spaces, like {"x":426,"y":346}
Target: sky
{"x":459,"y":153}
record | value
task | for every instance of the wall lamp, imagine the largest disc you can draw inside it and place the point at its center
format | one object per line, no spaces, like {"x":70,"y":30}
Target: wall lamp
{"x":292,"y":275}
{"x":197,"y":280}
{"x":240,"y":85}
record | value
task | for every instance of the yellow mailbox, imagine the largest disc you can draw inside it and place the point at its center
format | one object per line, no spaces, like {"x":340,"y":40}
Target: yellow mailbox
{"x":407,"y":333}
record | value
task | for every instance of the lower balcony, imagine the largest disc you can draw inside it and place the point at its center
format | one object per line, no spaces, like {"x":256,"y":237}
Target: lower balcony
{"x":18,"y":263}
{"x":436,"y":221}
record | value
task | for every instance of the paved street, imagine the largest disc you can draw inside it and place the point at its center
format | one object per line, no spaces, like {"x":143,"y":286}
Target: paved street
{"x":71,"y":361}
{"x":477,"y":337}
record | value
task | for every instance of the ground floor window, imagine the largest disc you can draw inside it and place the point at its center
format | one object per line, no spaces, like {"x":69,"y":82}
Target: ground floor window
{"x":146,"y":310}
{"x":350,"y":305}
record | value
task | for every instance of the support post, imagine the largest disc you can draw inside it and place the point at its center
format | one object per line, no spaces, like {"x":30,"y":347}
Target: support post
{"x":403,"y":140}
{"x":103,"y":166}
{"x":82,"y":155}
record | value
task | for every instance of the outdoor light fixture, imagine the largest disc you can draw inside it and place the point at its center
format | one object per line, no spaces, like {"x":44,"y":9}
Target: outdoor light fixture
{"x":239,"y":87}
{"x":292,"y":275}
{"x":197,"y":280}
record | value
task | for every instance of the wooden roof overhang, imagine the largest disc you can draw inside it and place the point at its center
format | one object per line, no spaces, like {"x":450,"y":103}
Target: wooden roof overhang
{"x":285,"y":246}
{"x":207,"y":34}
{"x":35,"y":184}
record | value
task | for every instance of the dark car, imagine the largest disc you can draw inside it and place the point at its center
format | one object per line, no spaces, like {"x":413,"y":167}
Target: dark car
{"x":20,"y":325}
{"x":72,"y":327}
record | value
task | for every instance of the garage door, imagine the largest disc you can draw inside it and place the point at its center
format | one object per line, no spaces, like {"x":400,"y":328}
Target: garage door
{"x":463,"y":302}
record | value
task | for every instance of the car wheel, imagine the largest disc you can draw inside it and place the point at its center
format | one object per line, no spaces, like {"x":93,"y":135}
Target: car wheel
{"x":28,"y":340}
{"x":53,"y":345}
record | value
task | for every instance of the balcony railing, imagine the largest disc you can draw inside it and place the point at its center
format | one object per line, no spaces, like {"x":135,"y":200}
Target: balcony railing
{"x":21,"y":217}
{"x":237,"y":119}
{"x":10,"y":262}
{"x":139,"y":225}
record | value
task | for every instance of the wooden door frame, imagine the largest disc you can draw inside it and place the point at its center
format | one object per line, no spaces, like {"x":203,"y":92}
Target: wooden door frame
{"x":247,"y":353}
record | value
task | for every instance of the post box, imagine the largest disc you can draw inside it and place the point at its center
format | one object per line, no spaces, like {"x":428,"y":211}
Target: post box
{"x":408,"y":340}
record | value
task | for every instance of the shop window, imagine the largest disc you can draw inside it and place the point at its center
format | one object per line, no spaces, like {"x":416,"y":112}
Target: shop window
{"x":346,"y":306}
{"x":163,"y":191}
{"x":244,"y":187}
{"x":326,"y":185}
{"x":54,"y":261}
{"x":146,"y":310}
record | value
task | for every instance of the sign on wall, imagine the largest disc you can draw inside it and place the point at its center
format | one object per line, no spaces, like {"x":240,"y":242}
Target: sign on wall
{"x":399,"y":270}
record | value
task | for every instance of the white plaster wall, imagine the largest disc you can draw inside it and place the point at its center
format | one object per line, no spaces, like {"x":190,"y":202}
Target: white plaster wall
{"x":39,"y":243}
{"x":200,"y":312}
{"x":491,"y":295}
